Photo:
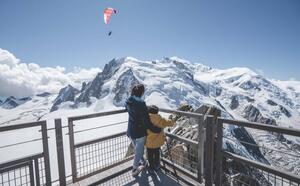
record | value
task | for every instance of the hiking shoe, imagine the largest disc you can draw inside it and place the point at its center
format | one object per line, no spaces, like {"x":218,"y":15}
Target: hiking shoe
{"x":151,"y":171}
{"x":136,"y":171}
{"x":157,"y":168}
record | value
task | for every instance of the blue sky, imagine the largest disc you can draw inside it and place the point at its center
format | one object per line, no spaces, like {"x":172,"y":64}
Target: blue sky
{"x":262,"y":35}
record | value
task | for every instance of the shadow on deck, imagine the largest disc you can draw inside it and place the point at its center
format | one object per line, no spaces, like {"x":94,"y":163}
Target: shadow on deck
{"x":121,"y":175}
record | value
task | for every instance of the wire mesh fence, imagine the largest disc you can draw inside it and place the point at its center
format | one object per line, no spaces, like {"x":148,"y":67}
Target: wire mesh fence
{"x":17,"y":175}
{"x":100,"y":154}
{"x":28,"y":172}
{"x":182,"y":154}
{"x":241,"y":174}
{"x":260,"y":162}
{"x":20,"y":166}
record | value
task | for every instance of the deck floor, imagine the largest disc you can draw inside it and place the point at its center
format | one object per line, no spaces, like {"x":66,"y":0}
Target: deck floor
{"x":121,"y":175}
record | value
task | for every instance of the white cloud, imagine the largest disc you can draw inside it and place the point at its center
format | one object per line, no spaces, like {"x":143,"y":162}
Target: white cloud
{"x":292,"y":79}
{"x":21,"y":79}
{"x":260,"y":72}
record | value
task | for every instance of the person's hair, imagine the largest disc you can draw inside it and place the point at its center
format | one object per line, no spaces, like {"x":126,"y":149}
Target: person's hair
{"x":138,"y":90}
{"x":152,"y":109}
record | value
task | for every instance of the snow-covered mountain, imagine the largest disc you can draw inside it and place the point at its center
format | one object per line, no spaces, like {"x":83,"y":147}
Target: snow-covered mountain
{"x":239,"y":92}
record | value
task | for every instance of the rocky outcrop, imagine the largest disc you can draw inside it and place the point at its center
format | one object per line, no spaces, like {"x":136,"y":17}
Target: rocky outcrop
{"x":249,"y":85}
{"x":44,"y":94}
{"x":83,"y":86}
{"x":285,"y":111}
{"x":24,"y":99}
{"x":272,"y":103}
{"x":234,"y":102}
{"x":12,"y":102}
{"x":94,"y":88}
{"x":249,"y":99}
{"x":123,"y":87}
{"x":251,"y":113}
{"x":65,"y":94}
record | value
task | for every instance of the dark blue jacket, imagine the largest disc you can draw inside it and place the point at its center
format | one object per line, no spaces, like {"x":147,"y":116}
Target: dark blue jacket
{"x":138,"y":121}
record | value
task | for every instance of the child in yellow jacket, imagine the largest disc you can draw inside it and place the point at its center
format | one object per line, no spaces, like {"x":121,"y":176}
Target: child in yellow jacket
{"x":155,"y":140}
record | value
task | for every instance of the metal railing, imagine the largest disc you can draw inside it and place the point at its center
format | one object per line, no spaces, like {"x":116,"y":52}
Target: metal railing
{"x":245,"y":171}
{"x":97,"y":155}
{"x":186,"y":155}
{"x":201,"y":159}
{"x":29,"y":170}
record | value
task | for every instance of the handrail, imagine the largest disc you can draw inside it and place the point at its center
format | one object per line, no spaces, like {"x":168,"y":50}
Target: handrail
{"x":182,"y":139}
{"x":189,"y":114}
{"x":261,"y":126}
{"x":98,"y":139}
{"x":99,"y":114}
{"x":22,"y":126}
{"x":21,"y":160}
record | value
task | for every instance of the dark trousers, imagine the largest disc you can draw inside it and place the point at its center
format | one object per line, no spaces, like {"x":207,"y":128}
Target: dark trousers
{"x":153,"y":157}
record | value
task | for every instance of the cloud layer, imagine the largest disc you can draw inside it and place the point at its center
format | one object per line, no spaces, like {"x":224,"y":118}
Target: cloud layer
{"x":21,"y":79}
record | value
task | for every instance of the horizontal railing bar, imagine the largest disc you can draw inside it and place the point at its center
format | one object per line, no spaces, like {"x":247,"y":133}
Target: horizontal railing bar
{"x":21,"y":160}
{"x":103,"y":126}
{"x":263,"y":147}
{"x":99,"y":139}
{"x":23,"y":142}
{"x":16,"y":166}
{"x":53,"y":128}
{"x":112,"y":176}
{"x":266,"y":127}
{"x":75,"y":118}
{"x":189,"y":114}
{"x":181,"y":169}
{"x":22,"y":126}
{"x":182,"y":139}
{"x":57,"y":180}
{"x":261,"y":166}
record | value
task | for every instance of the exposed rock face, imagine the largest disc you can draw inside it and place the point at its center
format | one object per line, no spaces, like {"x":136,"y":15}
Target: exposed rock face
{"x":123,"y":87}
{"x":65,"y":94}
{"x":285,"y":111}
{"x":249,"y":99}
{"x":242,"y":135}
{"x":44,"y":94}
{"x":249,"y":85}
{"x":94,"y":88}
{"x":25,"y":99}
{"x":83,"y":86}
{"x":252,"y":113}
{"x":272,"y":103}
{"x":10,"y":103}
{"x":234,"y":102}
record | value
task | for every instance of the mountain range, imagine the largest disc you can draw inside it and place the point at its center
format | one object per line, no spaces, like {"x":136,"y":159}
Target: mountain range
{"x":239,"y":93}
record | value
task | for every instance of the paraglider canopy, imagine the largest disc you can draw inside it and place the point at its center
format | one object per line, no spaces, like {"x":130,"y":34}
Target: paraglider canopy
{"x":108,"y":13}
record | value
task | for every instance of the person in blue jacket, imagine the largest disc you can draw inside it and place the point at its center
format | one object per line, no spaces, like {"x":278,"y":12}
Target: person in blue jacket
{"x":138,"y":123}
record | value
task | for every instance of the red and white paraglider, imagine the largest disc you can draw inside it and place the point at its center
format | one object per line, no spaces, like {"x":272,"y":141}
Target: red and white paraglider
{"x":108,"y":12}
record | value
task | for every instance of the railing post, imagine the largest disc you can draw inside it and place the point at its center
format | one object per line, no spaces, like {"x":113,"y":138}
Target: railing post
{"x":200,"y":148}
{"x":46,"y":153}
{"x":60,"y":152}
{"x":209,"y":152}
{"x":219,"y":156}
{"x":72,"y":150}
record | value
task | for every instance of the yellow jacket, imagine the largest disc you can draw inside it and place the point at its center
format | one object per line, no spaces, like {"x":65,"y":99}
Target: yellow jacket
{"x":156,"y":140}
